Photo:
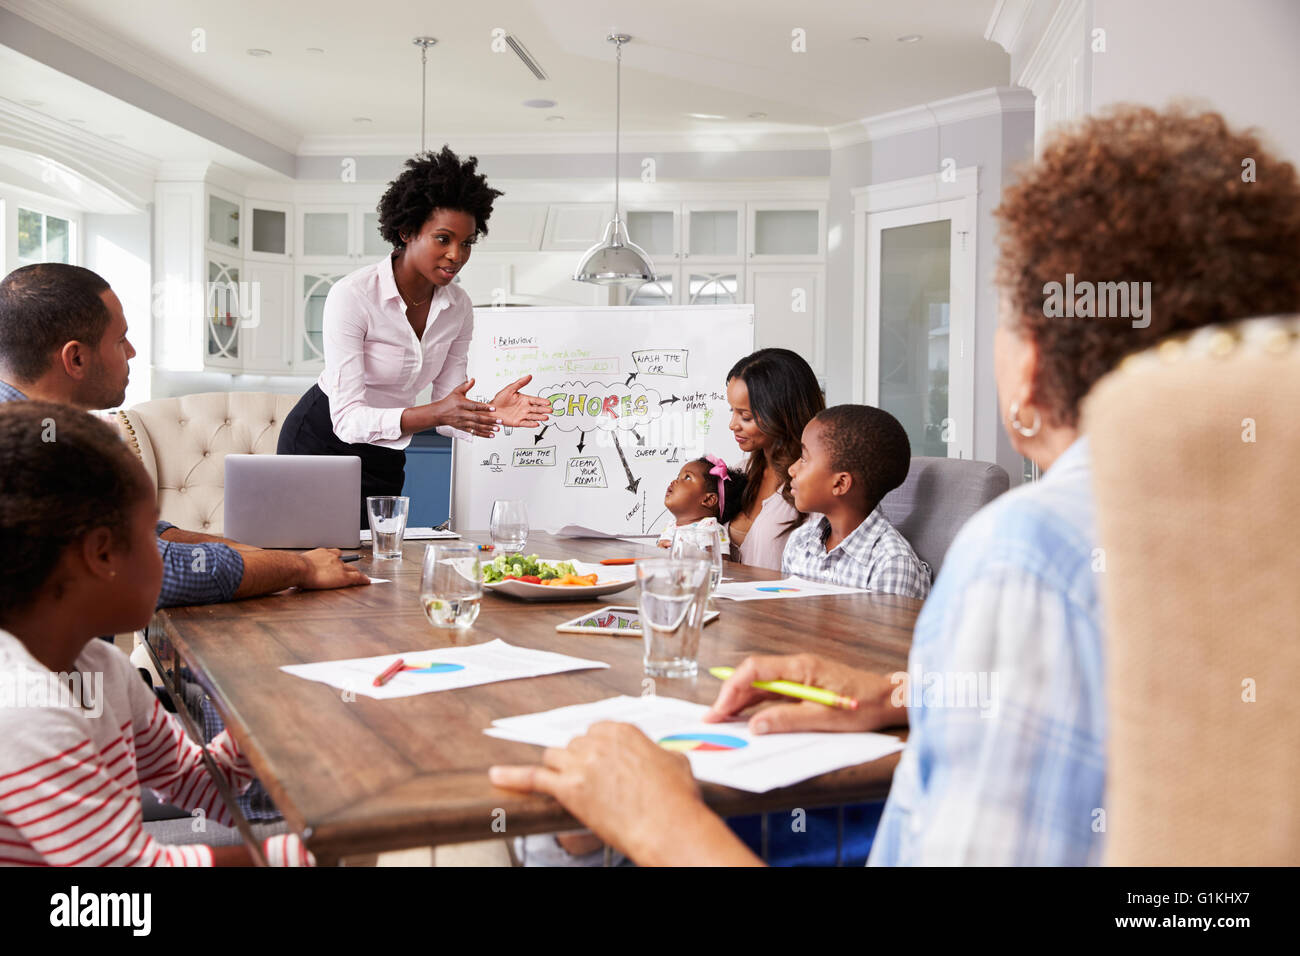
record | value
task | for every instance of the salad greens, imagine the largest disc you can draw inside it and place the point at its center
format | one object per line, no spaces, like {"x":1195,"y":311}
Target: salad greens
{"x":517,"y":565}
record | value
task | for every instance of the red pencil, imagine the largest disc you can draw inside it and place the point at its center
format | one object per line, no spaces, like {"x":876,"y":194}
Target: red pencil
{"x":392,"y":671}
{"x":610,"y":561}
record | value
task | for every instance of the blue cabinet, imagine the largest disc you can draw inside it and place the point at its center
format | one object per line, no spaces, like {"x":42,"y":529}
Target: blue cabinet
{"x":428,"y":479}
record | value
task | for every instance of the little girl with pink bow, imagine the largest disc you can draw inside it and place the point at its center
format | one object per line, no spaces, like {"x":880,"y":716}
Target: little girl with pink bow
{"x":705,"y":493}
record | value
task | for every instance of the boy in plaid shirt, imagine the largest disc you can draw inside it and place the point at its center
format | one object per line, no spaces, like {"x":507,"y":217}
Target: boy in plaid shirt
{"x":852,"y":456}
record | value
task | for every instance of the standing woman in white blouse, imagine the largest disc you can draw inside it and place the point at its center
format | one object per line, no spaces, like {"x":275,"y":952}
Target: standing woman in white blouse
{"x":397,"y":325}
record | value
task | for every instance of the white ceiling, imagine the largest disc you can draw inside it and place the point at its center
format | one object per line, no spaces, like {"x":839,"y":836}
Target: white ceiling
{"x":730,"y":58}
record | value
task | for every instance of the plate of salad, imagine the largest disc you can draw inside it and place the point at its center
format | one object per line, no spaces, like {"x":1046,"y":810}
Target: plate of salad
{"x":533,"y":578}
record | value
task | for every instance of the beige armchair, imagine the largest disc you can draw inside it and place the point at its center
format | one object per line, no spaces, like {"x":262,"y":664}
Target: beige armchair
{"x":1195,"y":450}
{"x":183,"y":443}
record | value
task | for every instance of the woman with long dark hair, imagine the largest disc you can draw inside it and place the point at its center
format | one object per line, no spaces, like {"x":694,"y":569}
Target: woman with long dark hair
{"x":773,"y":394}
{"x":400,"y":324}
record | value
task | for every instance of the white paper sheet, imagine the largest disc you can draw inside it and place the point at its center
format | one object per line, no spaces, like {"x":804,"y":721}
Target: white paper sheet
{"x":451,"y":668}
{"x":746,"y":762}
{"x":416,"y":534}
{"x":581,"y":531}
{"x":776,"y":590}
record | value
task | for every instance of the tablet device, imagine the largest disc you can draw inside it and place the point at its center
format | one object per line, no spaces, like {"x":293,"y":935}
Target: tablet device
{"x":622,"y":621}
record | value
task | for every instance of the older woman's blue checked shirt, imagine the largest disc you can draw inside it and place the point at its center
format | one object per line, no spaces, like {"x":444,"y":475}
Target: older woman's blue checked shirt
{"x":1010,"y":771}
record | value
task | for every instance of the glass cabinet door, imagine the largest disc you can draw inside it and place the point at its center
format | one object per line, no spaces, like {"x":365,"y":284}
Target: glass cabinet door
{"x":223,"y":222}
{"x":787,"y":231}
{"x":325,"y":234}
{"x":311,"y":345}
{"x":655,"y":292}
{"x":654,"y":230}
{"x":714,"y":231}
{"x":222,"y":313}
{"x":372,"y":244}
{"x":707,"y":287}
{"x":270,"y":233}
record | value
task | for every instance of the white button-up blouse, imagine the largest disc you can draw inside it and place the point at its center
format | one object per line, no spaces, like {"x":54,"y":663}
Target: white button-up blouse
{"x":375,"y":366}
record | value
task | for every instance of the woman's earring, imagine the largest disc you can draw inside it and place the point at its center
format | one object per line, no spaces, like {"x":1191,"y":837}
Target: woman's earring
{"x":1032,"y":430}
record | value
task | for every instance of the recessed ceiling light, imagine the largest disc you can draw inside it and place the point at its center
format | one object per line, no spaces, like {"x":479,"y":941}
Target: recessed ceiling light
{"x":362,"y":119}
{"x":258,"y":51}
{"x":33,"y":102}
{"x":758,"y":116}
{"x":555,"y":119}
{"x":862,"y":39}
{"x":315,"y":49}
{"x":909,"y":38}
{"x":539,"y":104}
{"x":705,"y":116}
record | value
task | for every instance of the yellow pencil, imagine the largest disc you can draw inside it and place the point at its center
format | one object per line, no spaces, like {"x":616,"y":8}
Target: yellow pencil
{"x":791,"y":689}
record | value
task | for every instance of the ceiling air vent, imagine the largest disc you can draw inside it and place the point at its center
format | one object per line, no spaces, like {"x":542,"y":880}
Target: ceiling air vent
{"x":525,"y":56}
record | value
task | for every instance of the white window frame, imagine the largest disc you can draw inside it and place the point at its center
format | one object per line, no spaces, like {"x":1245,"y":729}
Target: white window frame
{"x":11,"y":197}
{"x":906,"y":202}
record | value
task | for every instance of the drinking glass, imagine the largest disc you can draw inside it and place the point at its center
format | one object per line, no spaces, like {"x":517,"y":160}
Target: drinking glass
{"x":671,"y":605}
{"x":387,"y":515}
{"x":509,"y":525}
{"x":451,"y":585}
{"x":694,"y":541}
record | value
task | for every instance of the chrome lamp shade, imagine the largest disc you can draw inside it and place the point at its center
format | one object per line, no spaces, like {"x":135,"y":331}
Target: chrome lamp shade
{"x":615,"y":259}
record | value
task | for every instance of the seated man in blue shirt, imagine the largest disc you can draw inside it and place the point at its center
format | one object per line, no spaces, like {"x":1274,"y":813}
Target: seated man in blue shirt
{"x":850,"y":458}
{"x":63,"y":339}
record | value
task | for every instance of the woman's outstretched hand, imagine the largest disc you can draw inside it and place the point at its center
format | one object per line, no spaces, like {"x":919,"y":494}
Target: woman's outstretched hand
{"x":518,"y":410}
{"x":459,"y":411}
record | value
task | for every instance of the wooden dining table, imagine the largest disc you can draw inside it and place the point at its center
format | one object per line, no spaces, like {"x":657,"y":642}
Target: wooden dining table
{"x":355,"y":775}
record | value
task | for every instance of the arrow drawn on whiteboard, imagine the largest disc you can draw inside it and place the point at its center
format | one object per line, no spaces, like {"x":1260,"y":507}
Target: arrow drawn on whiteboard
{"x":670,"y":401}
{"x":538,"y":436}
{"x":582,"y":441}
{"x":631,"y":482}
{"x":640,"y":440}
{"x":630,"y":377}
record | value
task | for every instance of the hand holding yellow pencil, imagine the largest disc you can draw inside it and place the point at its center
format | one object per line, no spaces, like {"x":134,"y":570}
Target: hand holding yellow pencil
{"x":806,"y":693}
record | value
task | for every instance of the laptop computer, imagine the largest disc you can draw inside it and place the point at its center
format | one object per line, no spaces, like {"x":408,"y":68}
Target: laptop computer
{"x":293,"y":501}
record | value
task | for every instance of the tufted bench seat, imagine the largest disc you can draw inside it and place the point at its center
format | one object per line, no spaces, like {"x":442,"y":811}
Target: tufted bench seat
{"x":183,"y":443}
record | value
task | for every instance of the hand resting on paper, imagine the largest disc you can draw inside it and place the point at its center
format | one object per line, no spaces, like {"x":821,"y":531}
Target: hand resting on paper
{"x":637,"y":796}
{"x":880,"y":699}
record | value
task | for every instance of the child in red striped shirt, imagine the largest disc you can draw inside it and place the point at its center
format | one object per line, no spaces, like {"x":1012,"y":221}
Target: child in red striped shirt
{"x":79,"y":731}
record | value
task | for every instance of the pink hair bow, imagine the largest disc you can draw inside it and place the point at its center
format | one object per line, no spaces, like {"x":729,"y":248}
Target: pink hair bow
{"x":719,"y":470}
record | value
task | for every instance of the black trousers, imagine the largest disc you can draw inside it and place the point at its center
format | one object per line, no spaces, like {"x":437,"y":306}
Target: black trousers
{"x":309,"y":430}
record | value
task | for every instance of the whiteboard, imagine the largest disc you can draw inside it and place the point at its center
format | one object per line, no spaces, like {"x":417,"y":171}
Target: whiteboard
{"x":635,"y":391}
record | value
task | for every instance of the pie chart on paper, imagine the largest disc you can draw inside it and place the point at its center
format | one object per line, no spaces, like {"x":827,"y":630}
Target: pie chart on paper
{"x":432,"y":668}
{"x":690,"y":743}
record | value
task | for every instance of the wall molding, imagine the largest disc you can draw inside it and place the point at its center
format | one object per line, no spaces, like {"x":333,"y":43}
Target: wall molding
{"x":995,"y":100}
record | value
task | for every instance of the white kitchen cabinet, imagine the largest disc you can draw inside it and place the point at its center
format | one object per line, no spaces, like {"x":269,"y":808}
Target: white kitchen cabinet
{"x":698,"y":283}
{"x":266,"y":335}
{"x":656,"y":228}
{"x":713,"y":231}
{"x":268,"y":231}
{"x":331,"y":232}
{"x":223,"y":221}
{"x":225,"y":303}
{"x":575,"y":226}
{"x":311,"y":286}
{"x":786,"y":232}
{"x":789,"y":310}
{"x":514,"y":227}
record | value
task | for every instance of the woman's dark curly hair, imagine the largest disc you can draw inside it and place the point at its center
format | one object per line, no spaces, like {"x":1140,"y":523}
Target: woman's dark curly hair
{"x":434,"y":181}
{"x":63,"y":473}
{"x":784,"y":397}
{"x":1139,"y":195}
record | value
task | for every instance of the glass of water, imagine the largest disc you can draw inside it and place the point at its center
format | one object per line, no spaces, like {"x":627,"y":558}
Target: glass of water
{"x":451,"y":585}
{"x":672,"y":605}
{"x":694,"y":541}
{"x":387,"y":515}
{"x":509,"y":525}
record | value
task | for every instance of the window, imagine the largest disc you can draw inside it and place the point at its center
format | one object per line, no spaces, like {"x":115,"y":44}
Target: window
{"x":43,"y":238}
